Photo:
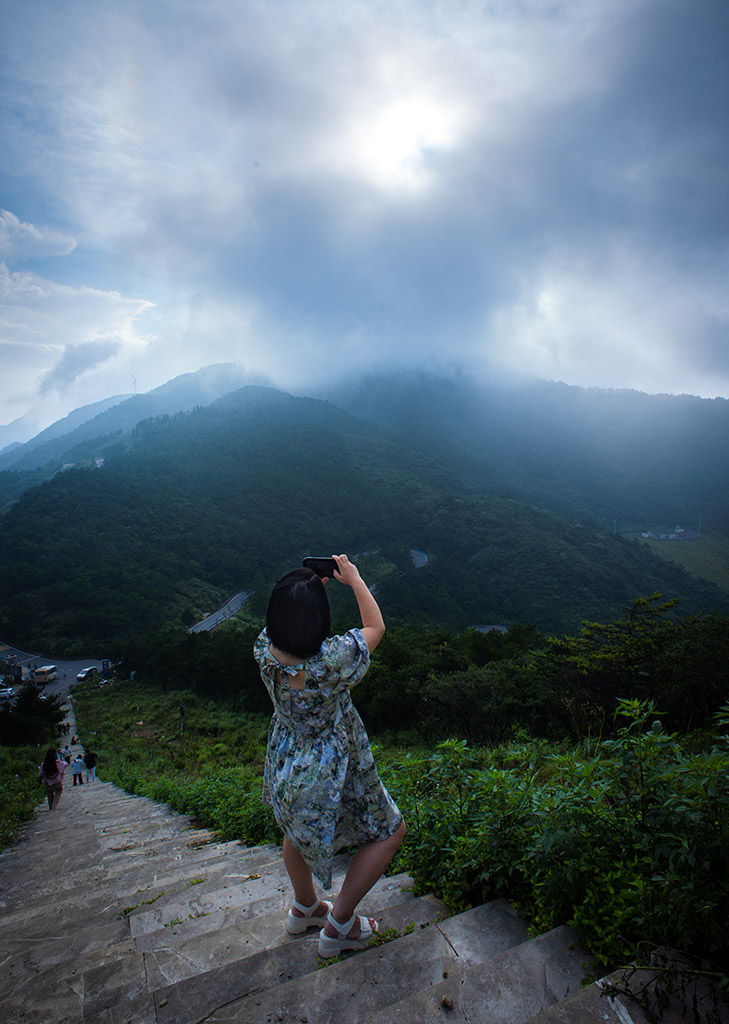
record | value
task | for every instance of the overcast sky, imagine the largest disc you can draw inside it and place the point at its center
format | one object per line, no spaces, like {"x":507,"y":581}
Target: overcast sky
{"x":313,"y":186}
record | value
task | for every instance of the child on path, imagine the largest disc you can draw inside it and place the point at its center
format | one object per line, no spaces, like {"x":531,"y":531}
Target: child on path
{"x":78,"y":770}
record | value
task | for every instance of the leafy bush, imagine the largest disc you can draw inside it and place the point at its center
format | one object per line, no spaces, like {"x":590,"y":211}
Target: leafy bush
{"x":630,"y":847}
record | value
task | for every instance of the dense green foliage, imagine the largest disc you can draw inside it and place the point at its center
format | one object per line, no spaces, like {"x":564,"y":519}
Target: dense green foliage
{"x":188,"y":510}
{"x":30,"y":718}
{"x":482,"y":687}
{"x":28,"y":726}
{"x":630,"y":845}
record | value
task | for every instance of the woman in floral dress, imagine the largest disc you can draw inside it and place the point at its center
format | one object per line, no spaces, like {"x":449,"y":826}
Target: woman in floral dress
{"x":320,"y":776}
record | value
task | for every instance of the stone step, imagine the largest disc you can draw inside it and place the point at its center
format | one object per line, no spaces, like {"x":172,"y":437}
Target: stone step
{"x":591,"y":1006}
{"x":112,"y":979}
{"x":507,"y":989}
{"x":72,"y":944}
{"x":151,"y":914}
{"x":152,"y":904}
{"x":199,"y":953}
{"x":674,"y":1001}
{"x":86,"y":865}
{"x":363,"y":984}
{"x":246,"y":970}
{"x":56,"y":991}
{"x":150,"y":876}
{"x":260,"y":892}
{"x":389,"y":891}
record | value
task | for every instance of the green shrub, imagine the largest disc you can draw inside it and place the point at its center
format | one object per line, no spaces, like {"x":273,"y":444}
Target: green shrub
{"x":630,"y":847}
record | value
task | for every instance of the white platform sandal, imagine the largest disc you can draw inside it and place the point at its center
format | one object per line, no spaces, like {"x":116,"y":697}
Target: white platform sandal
{"x":296,"y":925}
{"x":329,"y":946}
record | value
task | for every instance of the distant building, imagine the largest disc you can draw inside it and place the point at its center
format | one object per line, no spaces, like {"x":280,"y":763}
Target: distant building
{"x":12,"y":665}
{"x":677,"y":533}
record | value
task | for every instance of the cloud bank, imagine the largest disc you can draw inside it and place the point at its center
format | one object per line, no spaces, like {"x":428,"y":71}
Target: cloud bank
{"x":314,"y":188}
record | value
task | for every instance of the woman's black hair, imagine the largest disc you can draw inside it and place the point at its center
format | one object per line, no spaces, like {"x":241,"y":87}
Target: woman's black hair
{"x":49,"y":765}
{"x":298,"y":618}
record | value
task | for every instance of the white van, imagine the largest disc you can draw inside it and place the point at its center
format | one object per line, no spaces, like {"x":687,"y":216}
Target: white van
{"x":44,"y":674}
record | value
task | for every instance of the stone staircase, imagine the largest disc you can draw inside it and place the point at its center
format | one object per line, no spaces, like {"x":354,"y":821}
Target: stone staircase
{"x":116,"y":910}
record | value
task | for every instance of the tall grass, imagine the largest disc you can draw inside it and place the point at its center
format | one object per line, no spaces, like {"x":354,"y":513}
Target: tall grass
{"x":21,"y":789}
{"x":176,"y":748}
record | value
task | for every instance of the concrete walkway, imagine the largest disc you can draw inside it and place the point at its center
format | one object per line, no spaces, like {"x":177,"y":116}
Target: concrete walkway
{"x":114,"y":909}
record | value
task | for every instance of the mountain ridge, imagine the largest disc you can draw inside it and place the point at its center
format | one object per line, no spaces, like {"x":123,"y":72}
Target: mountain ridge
{"x":176,"y":395}
{"x":201,"y":504}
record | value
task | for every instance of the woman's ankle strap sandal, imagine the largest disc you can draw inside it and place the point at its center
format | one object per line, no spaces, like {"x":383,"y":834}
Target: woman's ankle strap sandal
{"x":296,"y":925}
{"x":330,"y":946}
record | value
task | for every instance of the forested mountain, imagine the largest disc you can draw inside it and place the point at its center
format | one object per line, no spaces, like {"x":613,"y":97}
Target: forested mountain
{"x":611,"y":457}
{"x":194,"y":507}
{"x":77,"y":433}
{"x":19,"y":427}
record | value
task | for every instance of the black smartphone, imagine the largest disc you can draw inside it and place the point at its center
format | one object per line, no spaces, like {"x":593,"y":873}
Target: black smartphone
{"x":321,"y":566}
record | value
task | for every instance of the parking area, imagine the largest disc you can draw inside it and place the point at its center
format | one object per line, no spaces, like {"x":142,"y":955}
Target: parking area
{"x":66,"y":670}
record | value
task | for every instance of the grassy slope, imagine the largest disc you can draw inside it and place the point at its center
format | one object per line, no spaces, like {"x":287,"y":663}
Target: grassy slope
{"x":707,"y":556}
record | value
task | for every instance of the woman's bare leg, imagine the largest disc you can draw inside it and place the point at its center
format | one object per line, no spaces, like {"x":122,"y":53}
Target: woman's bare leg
{"x":368,"y":863}
{"x":300,"y":874}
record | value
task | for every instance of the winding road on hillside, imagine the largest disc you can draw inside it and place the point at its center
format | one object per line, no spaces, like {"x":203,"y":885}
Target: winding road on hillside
{"x":67,"y":669}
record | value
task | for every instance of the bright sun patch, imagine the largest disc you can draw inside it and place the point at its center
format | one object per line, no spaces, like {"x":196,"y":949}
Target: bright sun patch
{"x":392,"y":148}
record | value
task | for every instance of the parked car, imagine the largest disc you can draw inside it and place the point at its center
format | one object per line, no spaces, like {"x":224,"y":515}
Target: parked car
{"x":85,"y":673}
{"x":6,"y":692}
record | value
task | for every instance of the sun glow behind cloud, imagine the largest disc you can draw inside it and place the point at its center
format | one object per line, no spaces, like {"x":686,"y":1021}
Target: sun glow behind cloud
{"x":393,"y":149}
{"x":539,"y":186}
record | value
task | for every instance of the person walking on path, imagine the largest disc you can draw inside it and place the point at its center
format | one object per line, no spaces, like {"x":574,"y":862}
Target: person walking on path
{"x":77,"y":769}
{"x":51,"y":775}
{"x":319,"y":776}
{"x":90,"y":761}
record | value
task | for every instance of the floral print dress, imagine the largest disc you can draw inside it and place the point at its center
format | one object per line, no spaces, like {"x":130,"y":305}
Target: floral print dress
{"x":320,"y":776}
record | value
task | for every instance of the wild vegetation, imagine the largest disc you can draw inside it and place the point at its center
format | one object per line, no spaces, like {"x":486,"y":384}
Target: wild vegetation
{"x":28,"y":726}
{"x":480,"y":686}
